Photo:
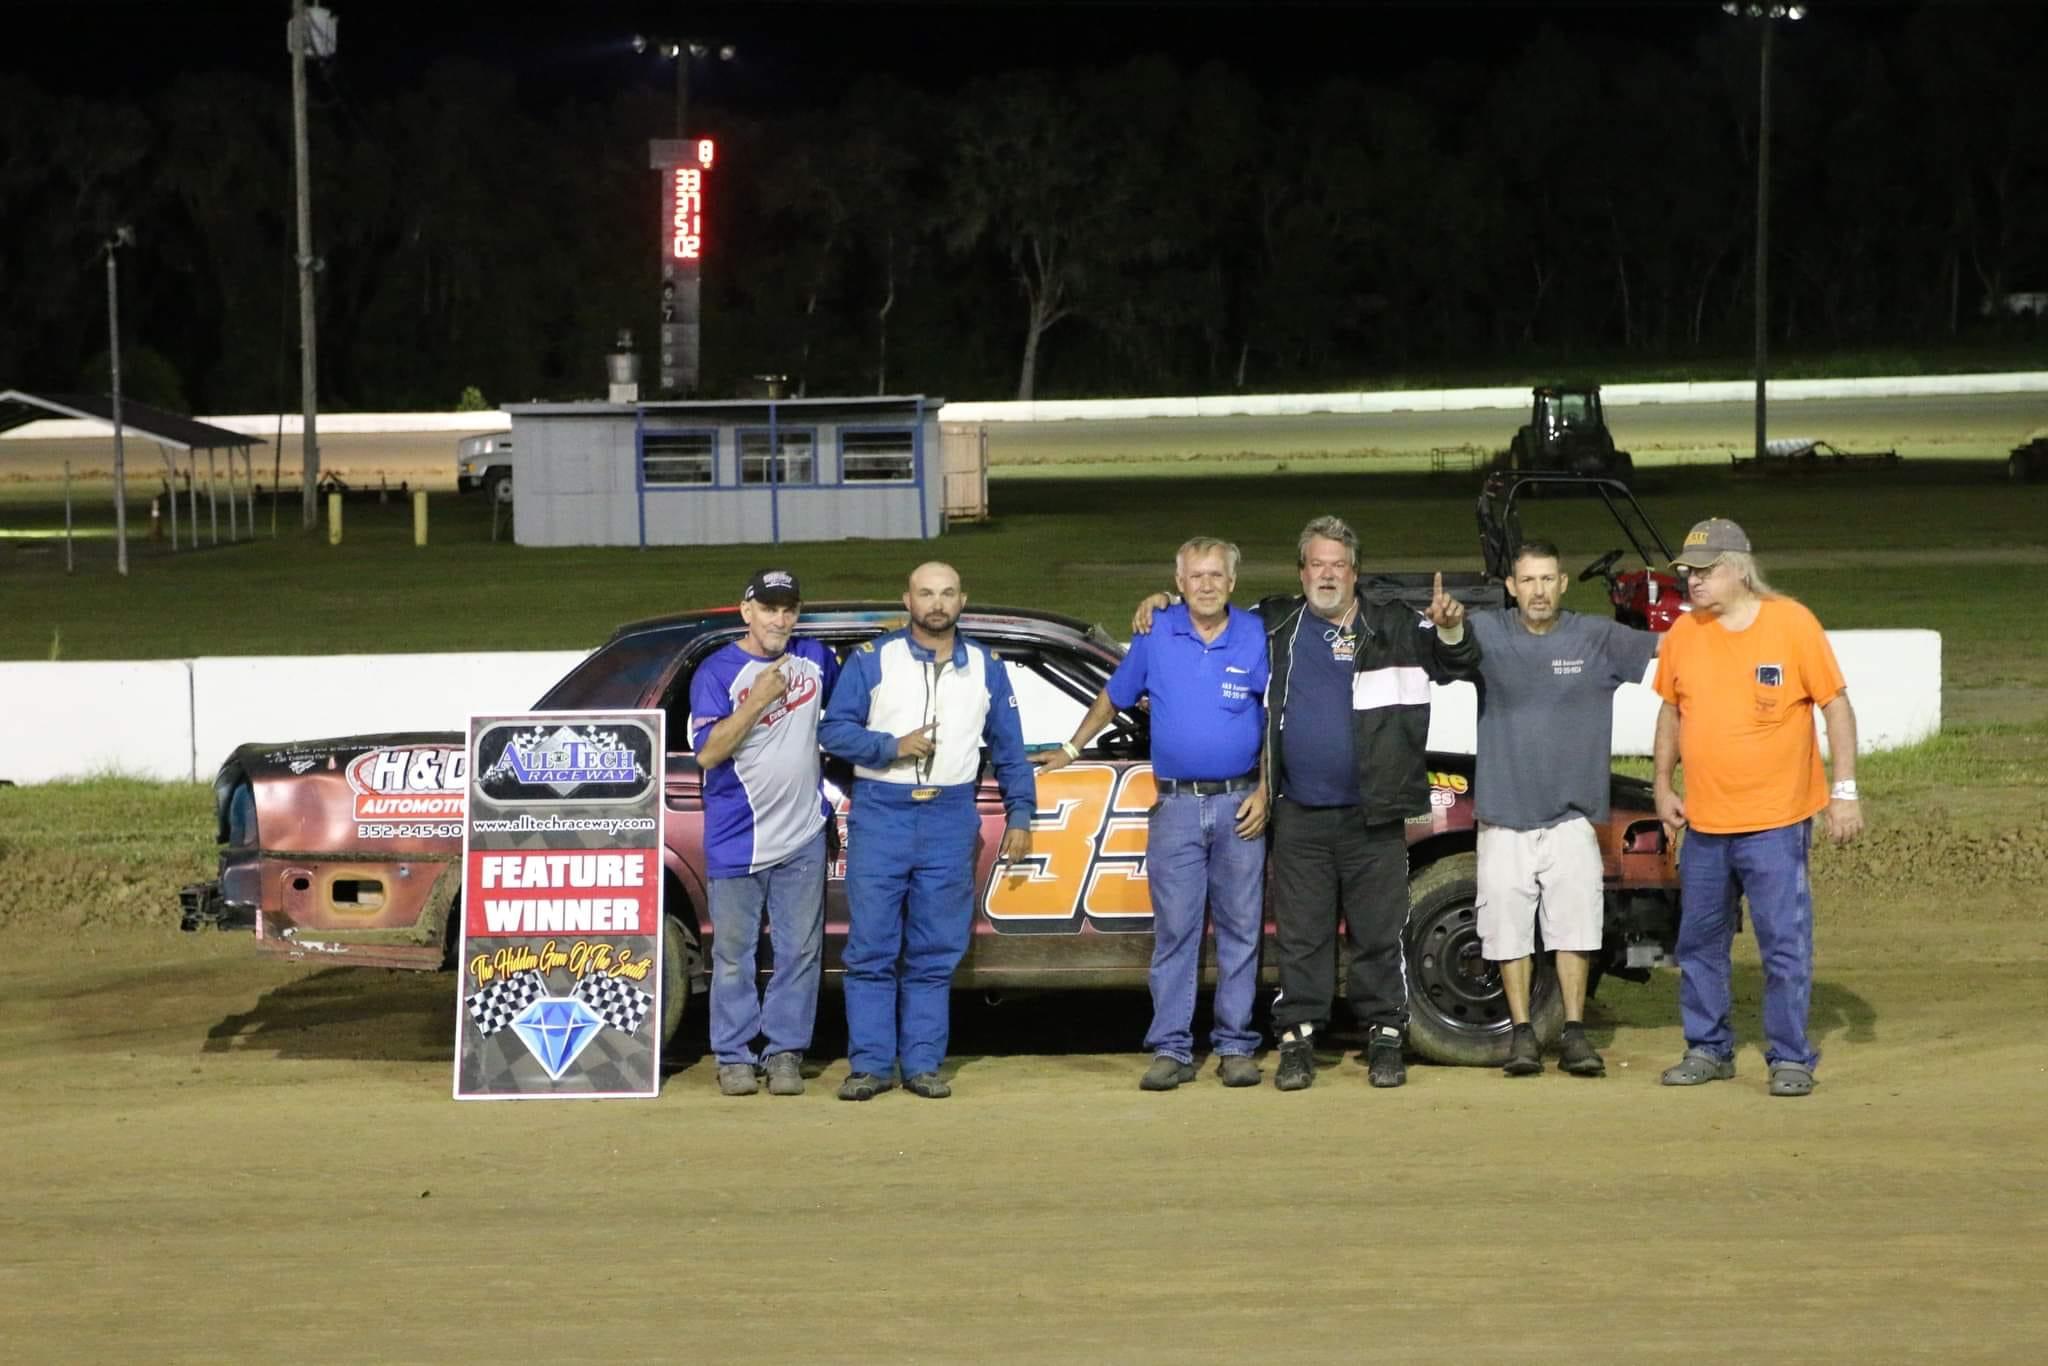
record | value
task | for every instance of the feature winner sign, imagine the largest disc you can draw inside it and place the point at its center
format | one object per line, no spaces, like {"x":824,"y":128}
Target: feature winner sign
{"x":561,"y":907}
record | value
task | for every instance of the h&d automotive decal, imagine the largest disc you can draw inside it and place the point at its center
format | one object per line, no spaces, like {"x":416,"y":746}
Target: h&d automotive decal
{"x":560,"y":957}
{"x":408,"y":791}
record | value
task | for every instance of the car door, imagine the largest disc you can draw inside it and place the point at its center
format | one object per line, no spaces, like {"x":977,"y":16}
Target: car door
{"x":1078,"y":909}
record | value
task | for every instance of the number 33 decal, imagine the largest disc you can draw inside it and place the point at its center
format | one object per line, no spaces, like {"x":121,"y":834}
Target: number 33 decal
{"x":1087,"y":855}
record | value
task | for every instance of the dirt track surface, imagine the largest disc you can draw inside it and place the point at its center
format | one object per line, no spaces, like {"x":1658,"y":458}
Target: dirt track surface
{"x":215,"y":1158}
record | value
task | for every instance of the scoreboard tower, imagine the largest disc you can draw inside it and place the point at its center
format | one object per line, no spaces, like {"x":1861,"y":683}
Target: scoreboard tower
{"x":685,"y":165}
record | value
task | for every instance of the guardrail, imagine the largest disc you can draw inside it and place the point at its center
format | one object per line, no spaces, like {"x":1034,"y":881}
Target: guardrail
{"x":175,"y":720}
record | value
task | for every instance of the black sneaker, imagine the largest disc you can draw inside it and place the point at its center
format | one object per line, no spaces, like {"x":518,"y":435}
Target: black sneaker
{"x":1165,"y":1074}
{"x":1297,"y":1070}
{"x":1383,"y":1065}
{"x":1576,"y":1056}
{"x":1525,"y":1058}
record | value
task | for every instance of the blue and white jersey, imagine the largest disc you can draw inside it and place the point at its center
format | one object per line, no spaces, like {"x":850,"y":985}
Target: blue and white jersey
{"x":765,"y":802}
{"x":893,"y":686}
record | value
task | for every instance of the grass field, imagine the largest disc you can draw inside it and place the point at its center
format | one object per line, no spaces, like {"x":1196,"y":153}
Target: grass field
{"x":1945,"y":545}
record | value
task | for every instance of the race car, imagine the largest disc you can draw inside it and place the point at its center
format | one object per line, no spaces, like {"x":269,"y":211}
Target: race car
{"x":349,"y":850}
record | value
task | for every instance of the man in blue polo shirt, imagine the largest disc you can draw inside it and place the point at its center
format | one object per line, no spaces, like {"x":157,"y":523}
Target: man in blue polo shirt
{"x":1204,"y":667}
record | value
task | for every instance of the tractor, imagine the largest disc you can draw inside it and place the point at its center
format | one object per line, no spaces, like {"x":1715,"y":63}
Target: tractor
{"x":1567,"y":432}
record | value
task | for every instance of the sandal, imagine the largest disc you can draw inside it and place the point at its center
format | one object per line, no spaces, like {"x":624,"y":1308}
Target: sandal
{"x":1790,"y":1079}
{"x":1698,"y":1066}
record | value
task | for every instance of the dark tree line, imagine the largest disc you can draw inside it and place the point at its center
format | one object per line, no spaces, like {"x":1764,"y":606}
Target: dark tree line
{"x":1144,"y":228}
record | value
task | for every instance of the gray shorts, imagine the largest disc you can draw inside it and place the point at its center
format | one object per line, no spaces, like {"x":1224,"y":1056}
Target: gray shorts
{"x":1552,"y":874}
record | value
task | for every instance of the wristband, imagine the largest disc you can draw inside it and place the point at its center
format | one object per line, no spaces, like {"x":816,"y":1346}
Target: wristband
{"x":1844,"y":791}
{"x":1068,"y":746}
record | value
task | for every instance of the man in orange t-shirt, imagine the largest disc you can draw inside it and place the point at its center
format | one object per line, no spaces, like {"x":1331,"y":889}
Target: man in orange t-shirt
{"x":1740,"y":677}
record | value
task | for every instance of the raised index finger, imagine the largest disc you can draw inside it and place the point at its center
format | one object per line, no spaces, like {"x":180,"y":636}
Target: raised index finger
{"x":1438,"y":587}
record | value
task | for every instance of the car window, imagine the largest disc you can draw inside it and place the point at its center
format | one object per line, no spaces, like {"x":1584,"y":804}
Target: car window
{"x":1048,"y":715}
{"x":1053,"y":688}
{"x":619,"y":673}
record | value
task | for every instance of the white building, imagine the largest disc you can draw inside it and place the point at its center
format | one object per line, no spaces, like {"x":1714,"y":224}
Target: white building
{"x":727,"y":472}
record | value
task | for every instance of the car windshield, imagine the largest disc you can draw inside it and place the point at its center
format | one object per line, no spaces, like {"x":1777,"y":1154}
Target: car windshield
{"x":619,"y":673}
{"x":1571,"y":410}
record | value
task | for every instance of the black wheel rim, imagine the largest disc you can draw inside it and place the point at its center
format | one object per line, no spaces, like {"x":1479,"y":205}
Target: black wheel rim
{"x":1451,"y":982}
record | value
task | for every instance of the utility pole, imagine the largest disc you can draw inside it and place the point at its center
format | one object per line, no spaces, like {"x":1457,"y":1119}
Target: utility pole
{"x":123,"y":236}
{"x":300,"y":37}
{"x":1763,"y":226}
{"x":1767,"y":13}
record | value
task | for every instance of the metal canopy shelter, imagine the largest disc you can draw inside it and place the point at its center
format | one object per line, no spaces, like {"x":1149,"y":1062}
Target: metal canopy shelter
{"x":19,"y":407}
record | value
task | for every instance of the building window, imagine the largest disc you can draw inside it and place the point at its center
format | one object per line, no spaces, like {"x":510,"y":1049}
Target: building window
{"x":794,"y":461}
{"x":671,"y":458}
{"x":870,"y":456}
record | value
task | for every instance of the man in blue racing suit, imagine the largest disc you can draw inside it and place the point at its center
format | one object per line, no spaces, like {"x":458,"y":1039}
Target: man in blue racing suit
{"x":911,"y":712}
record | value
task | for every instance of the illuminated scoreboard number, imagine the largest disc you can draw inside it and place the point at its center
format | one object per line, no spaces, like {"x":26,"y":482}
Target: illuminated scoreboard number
{"x":684,"y":187}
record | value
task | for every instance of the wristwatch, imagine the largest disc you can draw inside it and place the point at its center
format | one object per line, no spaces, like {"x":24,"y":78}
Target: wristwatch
{"x":1844,"y":791}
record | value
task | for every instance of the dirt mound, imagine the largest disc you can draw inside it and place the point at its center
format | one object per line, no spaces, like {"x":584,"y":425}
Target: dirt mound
{"x":107,"y":854}
{"x":1932,"y":850}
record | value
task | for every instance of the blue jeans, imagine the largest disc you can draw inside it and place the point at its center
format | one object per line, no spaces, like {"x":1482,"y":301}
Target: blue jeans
{"x":1769,"y":868}
{"x":1195,"y":860}
{"x":910,"y":905}
{"x":792,"y":893}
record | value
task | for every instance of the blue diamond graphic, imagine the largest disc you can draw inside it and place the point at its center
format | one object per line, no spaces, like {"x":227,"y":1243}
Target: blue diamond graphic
{"x":555,"y":1029}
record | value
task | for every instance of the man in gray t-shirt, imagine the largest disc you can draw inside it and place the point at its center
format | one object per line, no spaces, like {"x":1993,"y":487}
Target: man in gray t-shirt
{"x":1546,"y":681}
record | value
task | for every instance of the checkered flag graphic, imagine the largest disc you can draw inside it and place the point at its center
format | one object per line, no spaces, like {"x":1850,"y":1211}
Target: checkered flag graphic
{"x":619,"y":1004}
{"x":498,"y":1004}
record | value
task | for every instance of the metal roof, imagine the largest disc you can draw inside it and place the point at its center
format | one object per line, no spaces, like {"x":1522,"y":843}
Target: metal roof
{"x":599,"y":408}
{"x":18,"y":407}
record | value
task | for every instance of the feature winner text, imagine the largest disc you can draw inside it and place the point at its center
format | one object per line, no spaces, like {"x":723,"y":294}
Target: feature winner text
{"x":522,"y":892}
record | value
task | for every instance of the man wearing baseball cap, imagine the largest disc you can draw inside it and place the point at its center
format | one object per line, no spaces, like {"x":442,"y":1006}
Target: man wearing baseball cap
{"x":1740,"y":676}
{"x":754,"y":710}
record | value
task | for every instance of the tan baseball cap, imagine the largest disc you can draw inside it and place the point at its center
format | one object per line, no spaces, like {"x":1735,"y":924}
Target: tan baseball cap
{"x":1708,"y":541}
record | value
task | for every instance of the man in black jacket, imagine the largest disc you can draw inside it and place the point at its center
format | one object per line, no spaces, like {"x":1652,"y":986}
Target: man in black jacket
{"x":1347,"y":719}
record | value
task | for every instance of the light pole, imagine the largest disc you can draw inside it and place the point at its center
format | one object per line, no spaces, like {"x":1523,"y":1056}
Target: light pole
{"x":682,"y":53}
{"x":124,"y":236}
{"x":1768,"y":15}
{"x":311,"y":32}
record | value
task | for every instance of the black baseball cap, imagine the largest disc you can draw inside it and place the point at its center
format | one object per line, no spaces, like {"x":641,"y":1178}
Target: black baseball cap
{"x":777,"y":587}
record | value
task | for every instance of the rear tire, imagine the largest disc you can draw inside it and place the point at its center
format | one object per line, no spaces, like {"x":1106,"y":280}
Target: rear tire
{"x":679,"y":956}
{"x":1457,"y":1011}
{"x":1622,"y":467}
{"x":498,"y":483}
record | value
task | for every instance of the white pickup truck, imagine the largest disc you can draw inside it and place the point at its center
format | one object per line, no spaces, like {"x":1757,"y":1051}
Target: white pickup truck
{"x":485,"y":462}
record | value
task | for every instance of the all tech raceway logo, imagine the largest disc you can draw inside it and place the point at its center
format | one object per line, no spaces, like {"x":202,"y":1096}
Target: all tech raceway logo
{"x":564,"y":761}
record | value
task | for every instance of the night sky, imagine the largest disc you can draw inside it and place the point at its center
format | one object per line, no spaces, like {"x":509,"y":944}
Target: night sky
{"x":795,"y":53}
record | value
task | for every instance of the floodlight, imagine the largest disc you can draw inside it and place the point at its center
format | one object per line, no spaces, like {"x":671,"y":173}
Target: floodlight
{"x":727,"y":53}
{"x":639,"y":42}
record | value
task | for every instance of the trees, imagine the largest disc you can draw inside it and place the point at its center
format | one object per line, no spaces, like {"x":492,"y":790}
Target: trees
{"x":1143,"y":227}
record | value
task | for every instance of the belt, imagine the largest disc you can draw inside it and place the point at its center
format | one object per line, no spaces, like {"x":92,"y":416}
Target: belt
{"x":1204,"y":787}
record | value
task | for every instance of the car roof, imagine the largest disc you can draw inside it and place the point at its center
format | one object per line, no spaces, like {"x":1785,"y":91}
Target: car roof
{"x":849,"y":612}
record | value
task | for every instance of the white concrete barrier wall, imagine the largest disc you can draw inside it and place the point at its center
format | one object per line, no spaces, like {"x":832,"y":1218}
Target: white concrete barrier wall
{"x":1894,"y":681}
{"x":175,"y":720}
{"x":84,"y":720}
{"x":303,"y":697}
{"x":1215,"y":405}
